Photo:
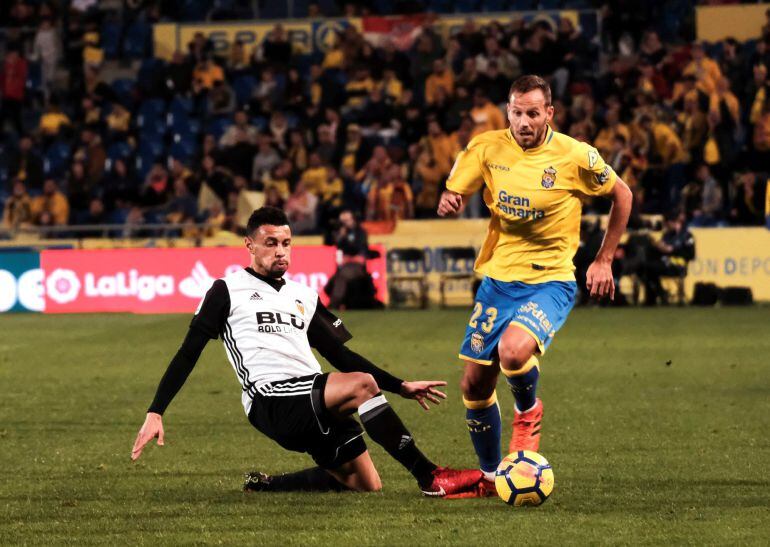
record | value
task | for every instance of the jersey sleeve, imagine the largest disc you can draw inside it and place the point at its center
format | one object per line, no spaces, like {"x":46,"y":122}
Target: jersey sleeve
{"x":213,"y":310}
{"x":466,"y":176}
{"x":595,"y":177}
{"x":325,"y":327}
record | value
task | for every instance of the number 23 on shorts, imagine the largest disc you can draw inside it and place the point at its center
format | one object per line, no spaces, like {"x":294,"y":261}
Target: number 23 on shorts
{"x":489,"y":323}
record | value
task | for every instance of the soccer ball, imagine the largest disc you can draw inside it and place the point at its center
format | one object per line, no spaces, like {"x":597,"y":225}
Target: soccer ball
{"x":524,"y":478}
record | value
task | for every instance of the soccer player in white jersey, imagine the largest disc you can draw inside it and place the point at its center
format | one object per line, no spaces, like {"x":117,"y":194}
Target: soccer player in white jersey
{"x":268,"y":325}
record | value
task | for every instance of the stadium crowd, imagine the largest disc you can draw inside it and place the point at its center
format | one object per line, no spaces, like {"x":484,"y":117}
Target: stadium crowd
{"x":372,"y":129}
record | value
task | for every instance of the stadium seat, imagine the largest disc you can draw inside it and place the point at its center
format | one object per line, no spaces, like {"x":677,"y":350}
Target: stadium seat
{"x":550,"y":4}
{"x":56,"y":159}
{"x":243,"y":86}
{"x":124,"y":91}
{"x":183,"y":148}
{"x":136,"y":43}
{"x":151,"y":147}
{"x":151,"y":118}
{"x":218,"y":126}
{"x":34,"y":77}
{"x":110,"y":35}
{"x":180,"y":106}
{"x":119,"y":150}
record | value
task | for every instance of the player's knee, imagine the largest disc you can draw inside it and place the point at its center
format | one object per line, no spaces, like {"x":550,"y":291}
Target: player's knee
{"x":372,"y":484}
{"x":475,"y":390}
{"x":513,"y":357}
{"x":365,"y":386}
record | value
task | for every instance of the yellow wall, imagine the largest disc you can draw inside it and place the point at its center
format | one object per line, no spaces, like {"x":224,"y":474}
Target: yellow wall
{"x":742,"y":22}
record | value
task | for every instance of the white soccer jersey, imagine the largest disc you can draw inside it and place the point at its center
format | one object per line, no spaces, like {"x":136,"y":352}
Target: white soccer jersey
{"x":267,"y":327}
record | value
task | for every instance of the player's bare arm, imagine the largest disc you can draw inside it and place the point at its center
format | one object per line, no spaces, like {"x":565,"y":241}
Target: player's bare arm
{"x":599,"y":280}
{"x":451,"y":203}
{"x":151,"y":429}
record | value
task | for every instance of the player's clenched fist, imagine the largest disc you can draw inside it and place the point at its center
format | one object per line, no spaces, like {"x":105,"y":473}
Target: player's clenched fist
{"x":153,"y":427}
{"x":450,"y":203}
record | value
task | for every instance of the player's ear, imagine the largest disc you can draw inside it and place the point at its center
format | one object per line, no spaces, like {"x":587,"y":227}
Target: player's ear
{"x":549,"y":113}
{"x":249,"y":244}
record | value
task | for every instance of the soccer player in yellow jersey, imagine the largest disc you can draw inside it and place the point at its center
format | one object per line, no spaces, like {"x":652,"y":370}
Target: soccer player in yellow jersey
{"x":534,"y":179}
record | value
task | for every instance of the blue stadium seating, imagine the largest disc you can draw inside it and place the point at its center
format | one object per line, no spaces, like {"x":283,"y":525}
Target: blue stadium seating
{"x":34,"y":77}
{"x":124,"y":91}
{"x":183,"y":148}
{"x":151,"y":147}
{"x":56,"y":159}
{"x":119,"y":150}
{"x":110,"y":37}
{"x":180,"y":106}
{"x":151,"y":118}
{"x":217,"y":126}
{"x":243,"y":86}
{"x":136,"y":43}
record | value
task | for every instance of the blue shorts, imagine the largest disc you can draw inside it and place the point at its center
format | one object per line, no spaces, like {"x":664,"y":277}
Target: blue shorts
{"x":540,"y":309}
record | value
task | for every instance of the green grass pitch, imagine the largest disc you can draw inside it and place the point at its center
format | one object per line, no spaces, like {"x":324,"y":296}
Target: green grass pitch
{"x":656,"y":424}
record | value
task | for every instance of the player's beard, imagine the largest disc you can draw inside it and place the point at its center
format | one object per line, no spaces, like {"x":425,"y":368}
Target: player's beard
{"x":534,"y":139}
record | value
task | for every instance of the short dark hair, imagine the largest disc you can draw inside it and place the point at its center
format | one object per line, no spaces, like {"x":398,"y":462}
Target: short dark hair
{"x":530,"y":82}
{"x":266,"y":215}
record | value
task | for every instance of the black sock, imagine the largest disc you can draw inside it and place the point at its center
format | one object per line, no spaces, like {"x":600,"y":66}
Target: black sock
{"x":386,"y":429}
{"x":314,"y":479}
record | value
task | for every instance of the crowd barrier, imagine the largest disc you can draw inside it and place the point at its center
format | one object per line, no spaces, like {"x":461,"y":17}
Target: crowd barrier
{"x":144,"y":280}
{"x":173,"y":279}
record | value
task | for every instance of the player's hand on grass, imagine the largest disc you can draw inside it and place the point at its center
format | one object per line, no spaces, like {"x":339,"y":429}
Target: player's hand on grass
{"x":599,"y":280}
{"x":422,"y":391}
{"x":153,"y":427}
{"x":450,"y":203}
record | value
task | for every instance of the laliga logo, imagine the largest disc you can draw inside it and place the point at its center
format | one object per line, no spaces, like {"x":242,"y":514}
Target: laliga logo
{"x":62,"y":286}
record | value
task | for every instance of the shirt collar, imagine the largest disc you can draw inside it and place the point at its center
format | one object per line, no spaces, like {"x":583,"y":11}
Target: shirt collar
{"x":274,"y":282}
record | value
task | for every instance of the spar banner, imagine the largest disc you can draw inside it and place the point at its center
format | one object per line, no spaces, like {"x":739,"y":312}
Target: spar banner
{"x":167,"y":280}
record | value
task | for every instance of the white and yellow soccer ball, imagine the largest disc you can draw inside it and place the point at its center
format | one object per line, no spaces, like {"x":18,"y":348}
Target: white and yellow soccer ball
{"x":524,"y":478}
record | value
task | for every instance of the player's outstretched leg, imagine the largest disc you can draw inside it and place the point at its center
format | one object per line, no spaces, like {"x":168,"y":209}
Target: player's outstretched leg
{"x":482,"y":415}
{"x":358,"y":474}
{"x":346,"y":393}
{"x":522,"y":370}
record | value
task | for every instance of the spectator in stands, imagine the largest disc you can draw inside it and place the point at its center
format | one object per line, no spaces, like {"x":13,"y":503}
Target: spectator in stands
{"x":276,"y":49}
{"x":207,"y":72}
{"x":132,"y":227}
{"x":297,"y":152}
{"x":314,"y":177}
{"x":93,"y":154}
{"x":391,"y":197}
{"x":279,"y":180}
{"x":485,"y":115}
{"x":182,"y":207}
{"x":667,"y":257}
{"x":156,"y":190}
{"x":118,"y":188}
{"x":95,"y":215}
{"x":47,"y":50}
{"x":709,"y":211}
{"x":79,"y":189}
{"x":441,"y":77}
{"x":240,"y":131}
{"x":302,"y":208}
{"x":221,"y":99}
{"x":17,"y":211}
{"x":26,"y":165}
{"x":118,"y":123}
{"x":52,"y":121}
{"x":13,"y":81}
{"x":179,"y":75}
{"x":430,"y":175}
{"x":51,"y":208}
{"x":748,"y":199}
{"x":265,"y":159}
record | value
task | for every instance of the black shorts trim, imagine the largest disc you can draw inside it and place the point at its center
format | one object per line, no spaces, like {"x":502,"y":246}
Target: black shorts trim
{"x":292,"y":413}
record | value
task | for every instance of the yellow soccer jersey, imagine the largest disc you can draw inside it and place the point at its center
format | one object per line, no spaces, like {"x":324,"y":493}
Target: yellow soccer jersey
{"x":534,"y":198}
